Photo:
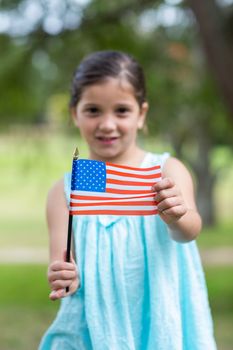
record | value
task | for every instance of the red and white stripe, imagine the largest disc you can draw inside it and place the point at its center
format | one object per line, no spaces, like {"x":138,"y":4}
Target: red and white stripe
{"x":128,"y":192}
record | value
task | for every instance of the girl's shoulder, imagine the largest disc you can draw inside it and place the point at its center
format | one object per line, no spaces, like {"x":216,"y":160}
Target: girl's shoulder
{"x":175,"y":169}
{"x":56,"y":190}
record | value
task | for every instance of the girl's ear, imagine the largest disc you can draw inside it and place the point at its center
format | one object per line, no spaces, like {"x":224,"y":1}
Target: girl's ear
{"x":142,"y":116}
{"x":74,"y":116}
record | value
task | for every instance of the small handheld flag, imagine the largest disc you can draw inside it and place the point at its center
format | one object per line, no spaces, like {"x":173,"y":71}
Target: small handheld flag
{"x":104,"y":188}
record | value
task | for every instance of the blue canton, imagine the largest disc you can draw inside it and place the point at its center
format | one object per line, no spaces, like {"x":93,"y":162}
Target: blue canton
{"x":88,"y":175}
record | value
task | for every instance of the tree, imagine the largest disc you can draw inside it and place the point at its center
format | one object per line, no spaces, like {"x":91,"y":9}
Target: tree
{"x":217,"y":37}
{"x":184,"y":103}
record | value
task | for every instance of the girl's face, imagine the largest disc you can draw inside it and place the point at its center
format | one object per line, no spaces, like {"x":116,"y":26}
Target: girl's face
{"x":108,"y":116}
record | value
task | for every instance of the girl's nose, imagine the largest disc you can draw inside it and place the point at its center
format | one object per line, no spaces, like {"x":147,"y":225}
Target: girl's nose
{"x":107,"y":123}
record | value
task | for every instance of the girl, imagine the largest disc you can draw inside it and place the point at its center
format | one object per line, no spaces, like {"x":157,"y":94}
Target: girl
{"x":137,"y":281}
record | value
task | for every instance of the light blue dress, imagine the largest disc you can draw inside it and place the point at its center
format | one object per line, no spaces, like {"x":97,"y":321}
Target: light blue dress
{"x":140,"y":290}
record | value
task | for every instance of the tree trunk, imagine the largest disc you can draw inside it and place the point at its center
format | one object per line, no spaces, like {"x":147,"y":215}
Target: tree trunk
{"x":205,"y":196}
{"x":205,"y":181}
{"x":202,"y":169}
{"x":218,"y":49}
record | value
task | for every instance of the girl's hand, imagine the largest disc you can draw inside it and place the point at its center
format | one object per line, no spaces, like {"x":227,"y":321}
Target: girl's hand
{"x":62,"y":274}
{"x":170,"y":201}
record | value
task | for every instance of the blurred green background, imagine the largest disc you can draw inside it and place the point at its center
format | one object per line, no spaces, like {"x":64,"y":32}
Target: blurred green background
{"x":186,"y":49}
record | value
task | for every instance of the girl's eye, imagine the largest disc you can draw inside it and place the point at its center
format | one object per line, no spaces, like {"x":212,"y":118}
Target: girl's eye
{"x":122,"y":110}
{"x":92,"y":110}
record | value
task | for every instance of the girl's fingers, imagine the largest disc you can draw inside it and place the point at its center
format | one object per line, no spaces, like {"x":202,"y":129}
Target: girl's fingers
{"x":57,"y":294}
{"x":163,"y":194}
{"x":60,"y":284}
{"x":61,"y":265}
{"x":168,"y":203}
{"x":61,"y":292}
{"x":163,"y":184}
{"x":169,"y":200}
{"x":63,"y":275}
{"x":177,"y":211}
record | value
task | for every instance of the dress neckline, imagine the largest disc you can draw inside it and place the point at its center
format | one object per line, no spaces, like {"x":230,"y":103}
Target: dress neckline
{"x":144,"y":160}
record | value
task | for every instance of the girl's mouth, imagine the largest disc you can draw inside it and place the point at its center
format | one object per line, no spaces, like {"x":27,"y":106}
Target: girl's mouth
{"x":107,"y":140}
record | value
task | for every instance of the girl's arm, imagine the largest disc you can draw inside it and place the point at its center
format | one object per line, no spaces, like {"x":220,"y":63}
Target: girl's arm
{"x":176,"y":201}
{"x":60,"y":273}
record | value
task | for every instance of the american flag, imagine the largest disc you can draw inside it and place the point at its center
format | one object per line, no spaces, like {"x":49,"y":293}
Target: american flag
{"x":104,"y":188}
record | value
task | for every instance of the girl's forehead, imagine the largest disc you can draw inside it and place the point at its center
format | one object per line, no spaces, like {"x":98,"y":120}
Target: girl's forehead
{"x":118,"y":86}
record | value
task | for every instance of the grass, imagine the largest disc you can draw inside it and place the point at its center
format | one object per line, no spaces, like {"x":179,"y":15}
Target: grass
{"x":27,"y":324}
{"x":26,"y":308}
{"x":221,"y":301}
{"x":219,"y":236}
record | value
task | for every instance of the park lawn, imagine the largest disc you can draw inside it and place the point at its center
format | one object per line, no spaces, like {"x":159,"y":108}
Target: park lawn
{"x":26,"y":310}
{"x":220,"y":289}
{"x":220,"y":235}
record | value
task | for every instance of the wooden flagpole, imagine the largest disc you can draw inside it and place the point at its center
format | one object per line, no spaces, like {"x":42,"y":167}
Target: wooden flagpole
{"x":69,"y":234}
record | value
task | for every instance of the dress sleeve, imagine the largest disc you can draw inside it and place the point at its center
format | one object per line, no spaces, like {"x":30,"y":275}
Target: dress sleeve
{"x":163,"y":158}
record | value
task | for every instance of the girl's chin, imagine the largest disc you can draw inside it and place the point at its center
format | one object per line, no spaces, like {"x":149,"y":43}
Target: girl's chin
{"x":106,"y":155}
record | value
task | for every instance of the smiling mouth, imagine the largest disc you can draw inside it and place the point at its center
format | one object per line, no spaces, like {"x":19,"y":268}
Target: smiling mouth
{"x":106,"y":139}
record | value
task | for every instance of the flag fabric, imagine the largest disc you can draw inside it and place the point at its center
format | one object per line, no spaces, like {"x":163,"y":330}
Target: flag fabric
{"x":104,"y":188}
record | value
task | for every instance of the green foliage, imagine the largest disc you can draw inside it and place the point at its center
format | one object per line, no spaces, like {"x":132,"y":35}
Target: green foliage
{"x":20,"y":84}
{"x":185,"y":105}
{"x":9,"y":4}
{"x":34,"y":67}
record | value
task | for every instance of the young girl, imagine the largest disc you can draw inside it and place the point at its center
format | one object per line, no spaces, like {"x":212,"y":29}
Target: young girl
{"x":136,"y":282}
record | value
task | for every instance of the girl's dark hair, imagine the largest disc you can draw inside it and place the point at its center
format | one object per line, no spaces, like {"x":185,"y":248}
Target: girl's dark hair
{"x":101,"y":65}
